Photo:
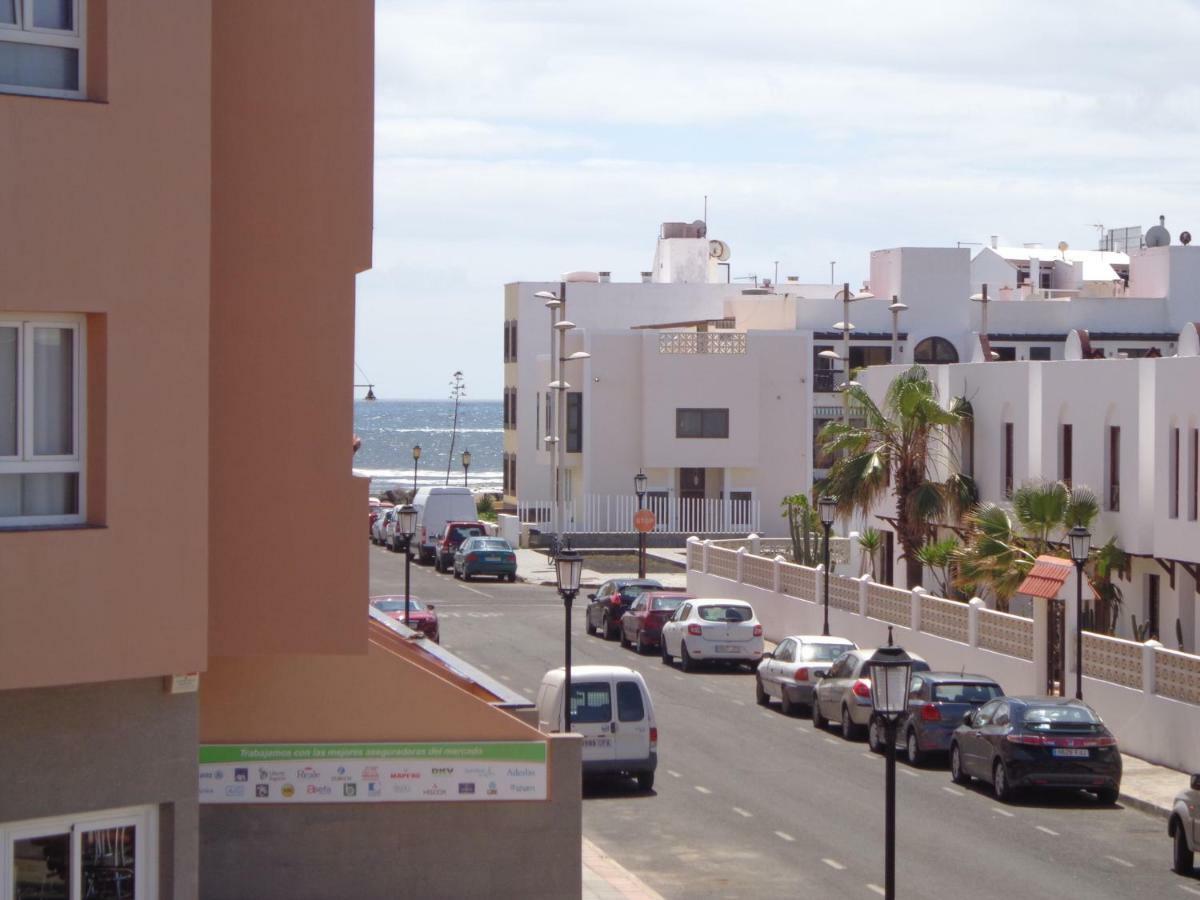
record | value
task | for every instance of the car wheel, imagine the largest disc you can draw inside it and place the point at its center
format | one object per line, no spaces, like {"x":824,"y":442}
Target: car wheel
{"x":1000,"y":786}
{"x":666,"y":657}
{"x":912,"y":750}
{"x":466,"y":575}
{"x":611,"y":632}
{"x":760,"y":696}
{"x":786,"y":706}
{"x":875,"y":738}
{"x":957,"y":775}
{"x":587,"y":625}
{"x":849,"y":729}
{"x":645,"y":781}
{"x":512,"y":577}
{"x":819,"y":721}
{"x":1182,"y":858}
{"x":1108,"y":796}
{"x":640,"y":647}
{"x":624,"y":640}
{"x":685,"y":659}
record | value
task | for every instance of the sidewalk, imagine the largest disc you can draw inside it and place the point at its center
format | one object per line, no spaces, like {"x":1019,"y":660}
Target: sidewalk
{"x":606,"y":879}
{"x":535,"y":567}
{"x":1148,"y":787}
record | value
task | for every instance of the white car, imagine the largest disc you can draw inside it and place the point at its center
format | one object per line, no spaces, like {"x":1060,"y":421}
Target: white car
{"x":711,"y":630}
{"x":792,"y":670}
{"x":1184,"y":827}
{"x":379,"y":526}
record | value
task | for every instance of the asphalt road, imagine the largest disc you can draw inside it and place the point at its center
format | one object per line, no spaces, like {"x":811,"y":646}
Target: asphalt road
{"x":750,"y":803}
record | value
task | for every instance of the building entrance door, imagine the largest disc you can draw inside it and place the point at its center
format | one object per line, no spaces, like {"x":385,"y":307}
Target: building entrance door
{"x":691,"y":501}
{"x":1055,"y":638}
{"x":691,"y":484}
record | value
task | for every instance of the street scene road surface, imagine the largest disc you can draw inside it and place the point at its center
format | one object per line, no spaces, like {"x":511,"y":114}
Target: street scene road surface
{"x":750,"y":803}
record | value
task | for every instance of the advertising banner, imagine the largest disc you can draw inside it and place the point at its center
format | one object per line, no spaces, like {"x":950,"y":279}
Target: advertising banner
{"x":372,"y":773}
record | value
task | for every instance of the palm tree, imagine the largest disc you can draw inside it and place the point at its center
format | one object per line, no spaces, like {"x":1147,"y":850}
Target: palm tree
{"x":939,"y":557}
{"x":870,"y":541}
{"x":900,"y":445}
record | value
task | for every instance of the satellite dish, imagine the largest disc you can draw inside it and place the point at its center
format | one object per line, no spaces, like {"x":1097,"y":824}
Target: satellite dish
{"x":1157,"y":235}
{"x":718,"y":250}
{"x":1185,"y":237}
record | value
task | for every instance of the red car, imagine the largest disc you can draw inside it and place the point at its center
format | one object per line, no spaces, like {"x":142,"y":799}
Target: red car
{"x":641,"y":626}
{"x":453,"y":535}
{"x":421,"y":616}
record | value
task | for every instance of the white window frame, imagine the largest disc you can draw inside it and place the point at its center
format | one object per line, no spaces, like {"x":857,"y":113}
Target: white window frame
{"x":143,"y":818}
{"x":26,"y":462}
{"x":49,"y":37}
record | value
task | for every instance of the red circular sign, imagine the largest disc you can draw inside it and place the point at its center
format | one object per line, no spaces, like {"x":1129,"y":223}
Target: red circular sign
{"x":643,"y":520}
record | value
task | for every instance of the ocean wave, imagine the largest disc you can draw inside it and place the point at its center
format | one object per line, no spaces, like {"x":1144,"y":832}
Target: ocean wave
{"x":368,"y":429}
{"x":423,"y":477}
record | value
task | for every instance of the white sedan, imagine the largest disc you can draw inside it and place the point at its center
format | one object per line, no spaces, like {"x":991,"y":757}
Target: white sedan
{"x":712,"y":630}
{"x":791,"y":671}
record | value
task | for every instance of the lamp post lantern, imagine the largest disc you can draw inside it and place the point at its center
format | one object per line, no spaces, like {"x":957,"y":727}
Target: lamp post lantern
{"x":828,"y":507}
{"x":1081,"y":542}
{"x":639,"y":488}
{"x":416,"y":451}
{"x":568,"y":568}
{"x":466,"y":461}
{"x":891,"y":673}
{"x":406,"y":526}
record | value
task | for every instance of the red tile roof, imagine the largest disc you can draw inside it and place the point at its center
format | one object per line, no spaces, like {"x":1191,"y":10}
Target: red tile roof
{"x":1046,"y":578}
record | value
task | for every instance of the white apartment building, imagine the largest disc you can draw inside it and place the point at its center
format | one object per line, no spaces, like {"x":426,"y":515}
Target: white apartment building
{"x":717,"y":391}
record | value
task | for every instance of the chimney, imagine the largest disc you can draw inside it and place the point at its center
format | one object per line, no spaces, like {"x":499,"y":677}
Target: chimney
{"x":995,"y":241}
{"x":646,"y":276}
{"x":605,"y":277}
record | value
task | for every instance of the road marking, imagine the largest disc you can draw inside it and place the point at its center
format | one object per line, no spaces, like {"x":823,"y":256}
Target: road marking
{"x":702,"y":789}
{"x":1049,"y":831}
{"x":482,"y":666}
{"x":801,"y":730}
{"x":673,"y":774}
{"x":877,"y":889}
{"x":506,"y":677}
{"x":740,"y":702}
{"x":1119,"y":861}
{"x":869,"y":755}
{"x":1190,"y":890}
{"x":527,"y":690}
{"x":473,"y":591}
{"x":1003,"y":812}
{"x":833,"y":864}
{"x":783,"y":835}
{"x":767,"y":715}
{"x":707,"y":689}
{"x":910,"y":773}
{"x":742,"y":812}
{"x":955,"y":791}
{"x":830,"y":740}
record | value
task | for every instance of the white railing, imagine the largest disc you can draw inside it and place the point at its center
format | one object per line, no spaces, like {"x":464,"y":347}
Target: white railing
{"x":613,"y":514}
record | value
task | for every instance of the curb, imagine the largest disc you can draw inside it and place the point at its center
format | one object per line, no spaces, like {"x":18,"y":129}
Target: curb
{"x":1145,"y":806}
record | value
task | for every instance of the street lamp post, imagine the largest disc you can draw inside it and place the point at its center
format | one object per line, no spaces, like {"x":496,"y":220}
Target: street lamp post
{"x":406,"y":525}
{"x":891,"y":674}
{"x":568,"y":568}
{"x":828,"y":507}
{"x":639,"y":487}
{"x":1081,"y":540}
{"x":466,"y":461}
{"x":416,"y":451}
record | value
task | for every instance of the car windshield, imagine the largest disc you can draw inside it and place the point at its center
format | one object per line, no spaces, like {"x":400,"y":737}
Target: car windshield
{"x":629,"y":591}
{"x":397,"y":605}
{"x":823,"y":652}
{"x":667,"y":603}
{"x":725,"y":613}
{"x":491,"y":544}
{"x":1049,"y":716}
{"x":462,"y":532}
{"x":965,"y":692}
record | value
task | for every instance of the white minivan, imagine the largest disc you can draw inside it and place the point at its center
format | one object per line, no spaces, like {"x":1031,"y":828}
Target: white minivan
{"x":435,"y":507}
{"x":611,"y":708}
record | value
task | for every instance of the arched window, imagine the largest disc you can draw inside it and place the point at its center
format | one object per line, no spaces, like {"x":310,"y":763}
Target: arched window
{"x":934,"y":350}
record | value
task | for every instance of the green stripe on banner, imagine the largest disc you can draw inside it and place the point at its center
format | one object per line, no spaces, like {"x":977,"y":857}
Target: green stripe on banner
{"x":533,"y":751}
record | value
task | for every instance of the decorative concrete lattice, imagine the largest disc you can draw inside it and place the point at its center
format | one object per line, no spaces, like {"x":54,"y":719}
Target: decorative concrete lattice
{"x":695,"y":559}
{"x":722,"y":562}
{"x":691,"y":342}
{"x":799,"y":581}
{"x":1177,"y":675}
{"x":1111,"y":659}
{"x":1011,"y":635}
{"x":758,"y":571}
{"x":889,"y":604}
{"x":945,"y":618}
{"x":843,"y":593}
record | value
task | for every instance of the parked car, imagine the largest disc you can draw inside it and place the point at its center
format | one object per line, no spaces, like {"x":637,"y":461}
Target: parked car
{"x":1036,"y":742}
{"x":608,"y":604}
{"x":379,"y":528}
{"x":435,"y":507}
{"x":422,"y":617}
{"x":485,"y":556}
{"x":792,"y":669}
{"x":1184,"y":828}
{"x":641,"y":624}
{"x":452,"y":535}
{"x":712,"y":631}
{"x":937,"y":702}
{"x":611,"y":708}
{"x":844,"y":693}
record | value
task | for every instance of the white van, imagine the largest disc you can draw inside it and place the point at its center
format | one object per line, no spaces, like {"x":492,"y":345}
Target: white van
{"x":435,"y":507}
{"x":611,"y":708}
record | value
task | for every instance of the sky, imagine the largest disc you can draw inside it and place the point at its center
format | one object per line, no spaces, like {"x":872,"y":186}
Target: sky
{"x":519,"y":139}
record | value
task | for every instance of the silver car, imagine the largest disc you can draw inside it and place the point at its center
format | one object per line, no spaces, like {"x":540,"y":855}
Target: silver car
{"x":844,"y":694}
{"x":1184,"y":828}
{"x":791,"y":671}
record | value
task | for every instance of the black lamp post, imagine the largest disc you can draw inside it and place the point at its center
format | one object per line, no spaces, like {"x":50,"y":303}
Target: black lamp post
{"x":1081,"y":545}
{"x":828,"y":507}
{"x":406,"y":526}
{"x":639,"y":488}
{"x":416,"y":460}
{"x":891,"y":672}
{"x":466,"y":461}
{"x":568,"y":569}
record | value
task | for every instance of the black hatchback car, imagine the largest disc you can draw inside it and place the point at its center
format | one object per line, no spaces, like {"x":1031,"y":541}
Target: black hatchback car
{"x":608,"y":604}
{"x":1036,"y":742}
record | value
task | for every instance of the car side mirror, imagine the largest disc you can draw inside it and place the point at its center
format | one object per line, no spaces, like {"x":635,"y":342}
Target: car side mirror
{"x":1196,"y":782}
{"x":591,"y":596}
{"x":768,"y":654}
{"x":968,"y":717}
{"x":430,"y":606}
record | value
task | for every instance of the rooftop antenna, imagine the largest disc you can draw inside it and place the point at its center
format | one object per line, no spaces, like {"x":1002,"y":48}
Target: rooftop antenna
{"x":832,"y":265}
{"x":1099,"y":226}
{"x":706,"y":212}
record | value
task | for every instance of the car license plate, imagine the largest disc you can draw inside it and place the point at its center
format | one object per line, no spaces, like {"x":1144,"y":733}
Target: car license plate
{"x":491,"y":557}
{"x":601,"y":741}
{"x":1072,"y":752}
{"x":728,"y":648}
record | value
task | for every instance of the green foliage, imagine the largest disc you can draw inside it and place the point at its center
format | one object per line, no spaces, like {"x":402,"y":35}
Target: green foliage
{"x":939,"y":557}
{"x":804,"y":522}
{"x":485,"y":506}
{"x":870,"y":541}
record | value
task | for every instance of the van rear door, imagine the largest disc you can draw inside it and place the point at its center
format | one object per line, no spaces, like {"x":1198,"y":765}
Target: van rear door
{"x":631,"y":730}
{"x":592,"y":714}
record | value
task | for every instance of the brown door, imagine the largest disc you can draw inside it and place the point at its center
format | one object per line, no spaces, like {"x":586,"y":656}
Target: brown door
{"x":691,"y":500}
{"x":887,"y":573}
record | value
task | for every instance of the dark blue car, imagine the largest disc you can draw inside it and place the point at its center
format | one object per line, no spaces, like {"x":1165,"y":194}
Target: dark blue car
{"x":937,"y":702}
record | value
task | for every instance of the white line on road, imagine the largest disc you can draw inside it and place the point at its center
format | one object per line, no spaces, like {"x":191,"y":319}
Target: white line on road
{"x":955,"y":791}
{"x":741,"y":812}
{"x":1119,"y":861}
{"x":673,"y":774}
{"x":506,"y":677}
{"x":783,"y":835}
{"x":833,"y":864}
{"x":1190,"y":890}
{"x":740,"y":702}
{"x":707,"y":689}
{"x":830,"y":740}
{"x":877,"y":889}
{"x":910,"y":773}
{"x":473,"y":591}
{"x":801,"y":730}
{"x":1003,"y":812}
{"x":869,"y":755}
{"x":702,"y":789}
{"x":526,"y":690}
{"x":1049,"y":831}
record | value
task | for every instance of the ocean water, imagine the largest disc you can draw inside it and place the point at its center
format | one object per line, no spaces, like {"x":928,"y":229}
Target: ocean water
{"x":390,"y":428}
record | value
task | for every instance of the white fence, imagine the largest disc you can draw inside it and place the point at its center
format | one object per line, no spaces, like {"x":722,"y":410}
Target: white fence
{"x":1148,"y":695}
{"x":613,"y":514}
